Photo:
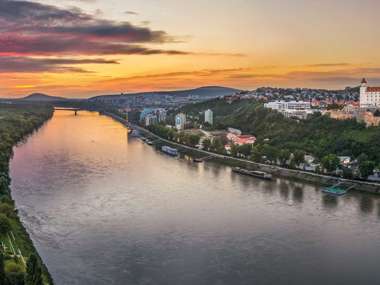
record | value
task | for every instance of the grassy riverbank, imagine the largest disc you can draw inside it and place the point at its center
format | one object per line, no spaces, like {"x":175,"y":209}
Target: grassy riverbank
{"x":16,"y":123}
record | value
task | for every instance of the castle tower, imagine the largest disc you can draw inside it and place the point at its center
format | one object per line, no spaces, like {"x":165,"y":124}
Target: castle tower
{"x":363,"y":93}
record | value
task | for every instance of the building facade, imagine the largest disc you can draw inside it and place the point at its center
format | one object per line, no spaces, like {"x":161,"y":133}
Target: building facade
{"x":369,"y":96}
{"x":291,"y":105}
{"x":209,"y":117}
{"x":292,"y":109}
{"x":180,"y":121}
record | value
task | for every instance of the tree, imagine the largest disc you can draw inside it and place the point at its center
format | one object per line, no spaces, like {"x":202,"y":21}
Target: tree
{"x":245,"y":149}
{"x":257,"y":154}
{"x":4,"y":182}
{"x":217,"y":146}
{"x":206,"y":144}
{"x":330,"y":162}
{"x":5,"y":225}
{"x":284,"y":156}
{"x":234,"y":150}
{"x":2,"y":272}
{"x":366,"y":168}
{"x":298,"y":157}
{"x":33,"y":272}
{"x":270,"y":152}
{"x":6,"y":209}
{"x":193,"y":139}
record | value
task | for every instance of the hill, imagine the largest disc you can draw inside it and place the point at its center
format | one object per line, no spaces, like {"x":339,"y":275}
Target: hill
{"x":318,"y":135}
{"x":206,"y":91}
{"x":40,"y":97}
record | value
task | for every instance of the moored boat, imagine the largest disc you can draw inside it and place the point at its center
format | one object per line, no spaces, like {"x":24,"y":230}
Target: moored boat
{"x":253,"y":173}
{"x":169,"y":150}
{"x":334,"y":190}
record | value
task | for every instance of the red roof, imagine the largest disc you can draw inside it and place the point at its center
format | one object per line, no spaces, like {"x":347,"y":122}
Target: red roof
{"x":364,"y":81}
{"x":373,"y":89}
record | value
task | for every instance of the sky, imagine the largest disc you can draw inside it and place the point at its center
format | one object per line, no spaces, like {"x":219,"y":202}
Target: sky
{"x":82,"y":48}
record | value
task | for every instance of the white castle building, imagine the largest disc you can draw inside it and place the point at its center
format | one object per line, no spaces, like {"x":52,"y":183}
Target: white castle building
{"x":369,"y":96}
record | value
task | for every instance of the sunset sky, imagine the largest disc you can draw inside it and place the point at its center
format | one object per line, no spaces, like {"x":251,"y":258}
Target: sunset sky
{"x":81,"y":48}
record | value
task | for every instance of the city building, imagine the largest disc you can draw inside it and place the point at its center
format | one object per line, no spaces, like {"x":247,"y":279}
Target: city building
{"x":291,"y":105}
{"x":147,"y":115}
{"x":234,"y":131}
{"x":209,"y":117}
{"x":150,"y":119}
{"x":235,"y":136}
{"x":180,"y":121}
{"x":369,"y":96}
{"x":292,"y":109}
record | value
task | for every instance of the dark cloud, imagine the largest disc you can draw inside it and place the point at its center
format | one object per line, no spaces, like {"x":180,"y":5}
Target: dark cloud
{"x":133,"y":13}
{"x":33,"y":28}
{"x":48,"y":45}
{"x":9,"y":64}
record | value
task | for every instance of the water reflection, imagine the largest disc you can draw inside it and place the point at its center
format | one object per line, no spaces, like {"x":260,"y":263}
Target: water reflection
{"x":106,"y":210}
{"x":329,"y":202}
{"x":297,"y":194}
{"x":366,"y":204}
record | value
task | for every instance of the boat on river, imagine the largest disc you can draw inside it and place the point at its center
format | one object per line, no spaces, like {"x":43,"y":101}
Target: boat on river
{"x":336,"y":190}
{"x":253,"y":173}
{"x":169,"y":150}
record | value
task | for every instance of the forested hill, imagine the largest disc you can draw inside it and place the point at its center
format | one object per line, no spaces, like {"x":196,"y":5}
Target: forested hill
{"x":319,"y":135}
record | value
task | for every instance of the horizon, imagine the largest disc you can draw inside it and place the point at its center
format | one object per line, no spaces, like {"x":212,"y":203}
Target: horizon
{"x":173,"y":90}
{"x":81,"y":49}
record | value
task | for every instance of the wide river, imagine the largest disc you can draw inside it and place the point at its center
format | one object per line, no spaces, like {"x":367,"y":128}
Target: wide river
{"x":103,"y":208}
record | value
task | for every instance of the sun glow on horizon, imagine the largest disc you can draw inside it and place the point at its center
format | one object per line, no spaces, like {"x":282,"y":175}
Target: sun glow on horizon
{"x":104,"y":48}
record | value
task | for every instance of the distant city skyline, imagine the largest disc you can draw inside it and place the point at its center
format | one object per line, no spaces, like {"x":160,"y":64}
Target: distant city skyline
{"x":86,"y":48}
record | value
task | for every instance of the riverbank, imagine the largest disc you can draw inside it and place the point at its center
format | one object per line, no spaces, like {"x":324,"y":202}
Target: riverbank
{"x":315,"y":178}
{"x":16,"y":123}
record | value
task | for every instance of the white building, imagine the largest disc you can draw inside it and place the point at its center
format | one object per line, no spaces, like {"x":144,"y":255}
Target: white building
{"x":292,"y":109}
{"x":209,"y":117}
{"x":285,"y":106}
{"x":180,"y":121}
{"x":150,"y":119}
{"x":369,"y":96}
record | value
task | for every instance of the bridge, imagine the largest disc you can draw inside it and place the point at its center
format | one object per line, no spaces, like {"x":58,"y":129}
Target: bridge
{"x":75,"y":110}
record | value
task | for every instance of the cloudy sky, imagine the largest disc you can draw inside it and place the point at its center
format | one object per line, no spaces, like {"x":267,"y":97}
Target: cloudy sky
{"x":80,"y":48}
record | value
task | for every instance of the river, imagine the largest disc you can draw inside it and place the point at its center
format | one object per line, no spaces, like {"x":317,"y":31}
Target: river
{"x":103,"y":208}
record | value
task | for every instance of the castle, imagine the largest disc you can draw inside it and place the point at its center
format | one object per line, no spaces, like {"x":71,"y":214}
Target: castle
{"x":369,"y":96}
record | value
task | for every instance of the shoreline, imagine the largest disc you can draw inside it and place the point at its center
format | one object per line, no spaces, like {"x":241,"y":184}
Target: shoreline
{"x":22,"y":236}
{"x":278,"y":171}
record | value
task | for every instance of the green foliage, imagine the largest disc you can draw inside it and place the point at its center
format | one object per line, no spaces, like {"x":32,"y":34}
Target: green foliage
{"x":193,"y":140}
{"x":33,"y":272}
{"x":207,"y":144}
{"x":218,"y":146}
{"x":17,"y":121}
{"x":245,"y":150}
{"x":5,"y":224}
{"x":330,"y":162}
{"x":12,"y":266}
{"x":284,"y":156}
{"x":318,"y":135}
{"x":299,"y":157}
{"x":366,"y":168}
{"x":2,"y":270}
{"x":7,"y":209}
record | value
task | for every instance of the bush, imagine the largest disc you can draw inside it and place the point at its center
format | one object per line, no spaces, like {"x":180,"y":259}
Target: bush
{"x":13,"y":267}
{"x":5,"y":225}
{"x":6,"y":209}
{"x":16,"y":278}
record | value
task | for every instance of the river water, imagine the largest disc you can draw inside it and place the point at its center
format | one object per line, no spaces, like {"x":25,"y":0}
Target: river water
{"x":103,"y":208}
